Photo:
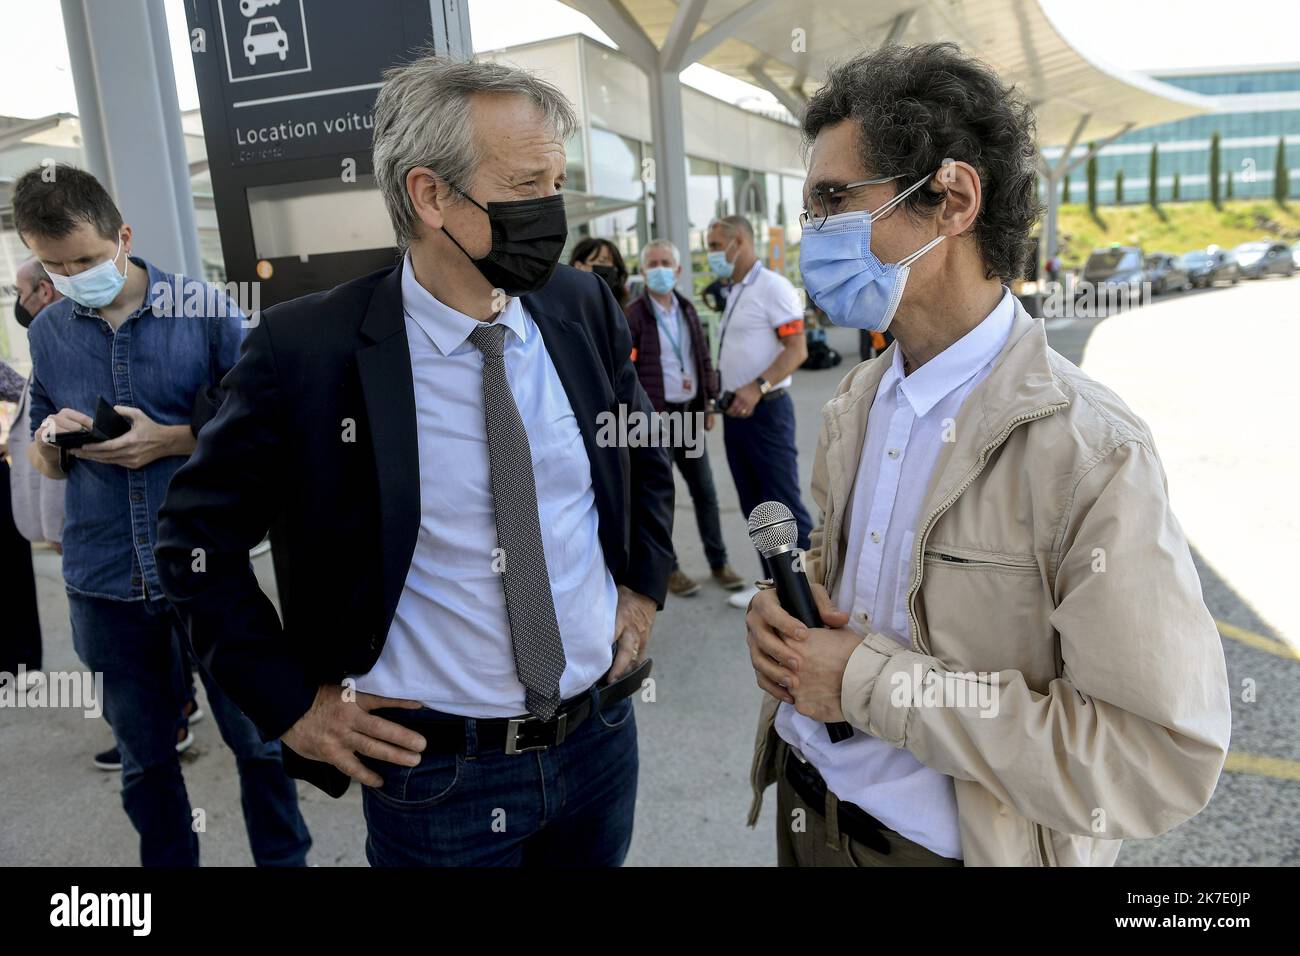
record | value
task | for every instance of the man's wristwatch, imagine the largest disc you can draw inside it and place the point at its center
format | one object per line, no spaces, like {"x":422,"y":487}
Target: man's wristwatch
{"x":764,"y":386}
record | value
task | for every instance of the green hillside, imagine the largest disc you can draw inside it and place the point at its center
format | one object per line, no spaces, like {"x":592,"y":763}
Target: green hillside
{"x":1177,"y":227}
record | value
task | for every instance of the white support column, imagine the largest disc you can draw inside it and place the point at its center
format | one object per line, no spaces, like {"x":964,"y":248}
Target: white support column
{"x":662,"y":68}
{"x":899,"y":26}
{"x":679,"y":35}
{"x":131,"y":123}
{"x":792,"y":100}
{"x":1049,"y":241}
{"x":724,"y":29}
{"x":668,"y":141}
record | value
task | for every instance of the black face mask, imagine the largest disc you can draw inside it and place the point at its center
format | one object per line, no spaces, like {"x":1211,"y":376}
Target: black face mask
{"x":22,"y":315}
{"x":608,"y":273}
{"x":527,"y":238}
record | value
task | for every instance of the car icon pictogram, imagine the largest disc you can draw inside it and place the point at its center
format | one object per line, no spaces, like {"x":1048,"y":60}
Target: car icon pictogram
{"x":265,"y":36}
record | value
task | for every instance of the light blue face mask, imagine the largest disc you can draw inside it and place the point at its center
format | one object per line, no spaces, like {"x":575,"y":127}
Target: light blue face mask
{"x":660,"y":279}
{"x":719,"y":265}
{"x":844,"y":278}
{"x":97,"y":286}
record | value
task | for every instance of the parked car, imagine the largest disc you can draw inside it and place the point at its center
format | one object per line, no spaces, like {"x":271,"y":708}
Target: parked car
{"x":1165,"y":272}
{"x":1111,"y":266}
{"x":1259,"y":259}
{"x":1208,"y":266}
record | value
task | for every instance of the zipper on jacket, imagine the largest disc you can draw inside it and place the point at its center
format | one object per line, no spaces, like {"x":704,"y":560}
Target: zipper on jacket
{"x":973,"y":563}
{"x":1042,"y":845}
{"x":919,"y":555}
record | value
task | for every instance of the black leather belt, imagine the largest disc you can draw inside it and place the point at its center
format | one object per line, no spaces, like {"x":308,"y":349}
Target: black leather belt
{"x":445,"y":733}
{"x":853,"y":820}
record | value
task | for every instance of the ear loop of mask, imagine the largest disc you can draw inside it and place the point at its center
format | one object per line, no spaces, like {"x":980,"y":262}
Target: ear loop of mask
{"x":118,"y":253}
{"x":907,"y":261}
{"x":885,"y":209}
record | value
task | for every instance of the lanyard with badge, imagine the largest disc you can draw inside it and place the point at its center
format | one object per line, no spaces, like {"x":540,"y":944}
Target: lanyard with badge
{"x":674,"y":340}
{"x":729,"y":309}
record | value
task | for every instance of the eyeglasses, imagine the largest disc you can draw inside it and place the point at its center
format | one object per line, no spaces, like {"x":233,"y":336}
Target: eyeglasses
{"x":819,"y":200}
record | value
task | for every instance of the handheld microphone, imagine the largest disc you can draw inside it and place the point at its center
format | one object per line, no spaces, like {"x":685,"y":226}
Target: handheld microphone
{"x":773,"y":531}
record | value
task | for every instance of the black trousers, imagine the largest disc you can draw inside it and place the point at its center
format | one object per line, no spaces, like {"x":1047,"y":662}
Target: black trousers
{"x":698,"y":476}
{"x":20,"y":631}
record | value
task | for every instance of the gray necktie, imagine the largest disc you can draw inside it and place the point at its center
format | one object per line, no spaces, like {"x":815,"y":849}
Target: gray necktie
{"x":534,"y":631}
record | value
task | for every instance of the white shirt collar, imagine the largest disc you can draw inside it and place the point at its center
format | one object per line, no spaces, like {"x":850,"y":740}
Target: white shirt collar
{"x":752,"y":274}
{"x":954,"y":366}
{"x":445,"y":327}
{"x":668,"y":311}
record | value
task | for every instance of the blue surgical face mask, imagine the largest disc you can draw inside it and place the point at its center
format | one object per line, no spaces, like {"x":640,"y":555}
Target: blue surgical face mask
{"x":719,"y":265}
{"x":97,"y":286}
{"x":844,"y":278}
{"x":660,"y":279}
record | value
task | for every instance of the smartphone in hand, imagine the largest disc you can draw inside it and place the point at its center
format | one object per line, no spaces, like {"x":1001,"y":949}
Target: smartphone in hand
{"x":107,"y":423}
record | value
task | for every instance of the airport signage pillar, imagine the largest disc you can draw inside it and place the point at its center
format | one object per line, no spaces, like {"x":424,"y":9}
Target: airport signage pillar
{"x":287,"y":89}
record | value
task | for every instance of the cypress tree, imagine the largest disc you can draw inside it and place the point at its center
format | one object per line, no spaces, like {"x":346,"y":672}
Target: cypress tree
{"x":1281,"y":175}
{"x":1153,"y":179}
{"x":1119,"y":187}
{"x":1092,"y":183}
{"x":1178,"y":181}
{"x":1214,"y":170}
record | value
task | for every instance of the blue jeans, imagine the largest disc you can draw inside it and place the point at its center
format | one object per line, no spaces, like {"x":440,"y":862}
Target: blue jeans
{"x":570,"y":805}
{"x":137,"y":645}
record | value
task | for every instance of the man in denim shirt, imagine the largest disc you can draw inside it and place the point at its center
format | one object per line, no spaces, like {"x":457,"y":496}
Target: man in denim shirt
{"x":147,"y":343}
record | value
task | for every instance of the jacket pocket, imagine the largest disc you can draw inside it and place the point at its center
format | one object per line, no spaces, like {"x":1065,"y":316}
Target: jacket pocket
{"x":988,"y":611}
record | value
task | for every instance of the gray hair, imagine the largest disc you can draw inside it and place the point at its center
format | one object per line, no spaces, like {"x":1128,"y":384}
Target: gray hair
{"x":734,"y":226}
{"x":660,"y":244}
{"x":422,"y":118}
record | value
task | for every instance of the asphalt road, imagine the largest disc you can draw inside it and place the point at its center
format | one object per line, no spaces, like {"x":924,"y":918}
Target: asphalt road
{"x":696,"y":737}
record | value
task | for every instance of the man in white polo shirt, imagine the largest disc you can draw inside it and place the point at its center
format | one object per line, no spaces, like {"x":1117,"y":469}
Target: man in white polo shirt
{"x":761,"y":343}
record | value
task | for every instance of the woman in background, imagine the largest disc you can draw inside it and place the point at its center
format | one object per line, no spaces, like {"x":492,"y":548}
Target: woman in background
{"x":603,"y":258}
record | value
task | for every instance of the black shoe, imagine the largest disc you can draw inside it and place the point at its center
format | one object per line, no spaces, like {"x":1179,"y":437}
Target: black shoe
{"x":111,"y":760}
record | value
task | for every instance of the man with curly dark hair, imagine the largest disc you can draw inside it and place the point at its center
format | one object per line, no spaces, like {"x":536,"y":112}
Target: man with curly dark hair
{"x":1013,"y":624}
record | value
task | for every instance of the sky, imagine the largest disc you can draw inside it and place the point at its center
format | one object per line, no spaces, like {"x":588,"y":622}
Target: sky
{"x":35,"y":79}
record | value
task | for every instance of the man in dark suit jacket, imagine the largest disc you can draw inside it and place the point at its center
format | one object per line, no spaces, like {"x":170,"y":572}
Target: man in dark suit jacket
{"x":473,"y":571}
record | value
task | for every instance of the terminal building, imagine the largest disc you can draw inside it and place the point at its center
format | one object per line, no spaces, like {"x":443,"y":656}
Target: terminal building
{"x":1252,"y":107}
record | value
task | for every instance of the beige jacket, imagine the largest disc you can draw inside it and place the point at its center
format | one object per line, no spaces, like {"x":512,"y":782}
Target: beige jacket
{"x":1046,"y":560}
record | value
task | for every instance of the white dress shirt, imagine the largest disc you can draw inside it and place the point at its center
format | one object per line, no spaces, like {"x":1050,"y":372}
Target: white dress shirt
{"x":905,"y":434}
{"x":449,"y":645}
{"x":757,"y":307}
{"x":675,"y":337}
